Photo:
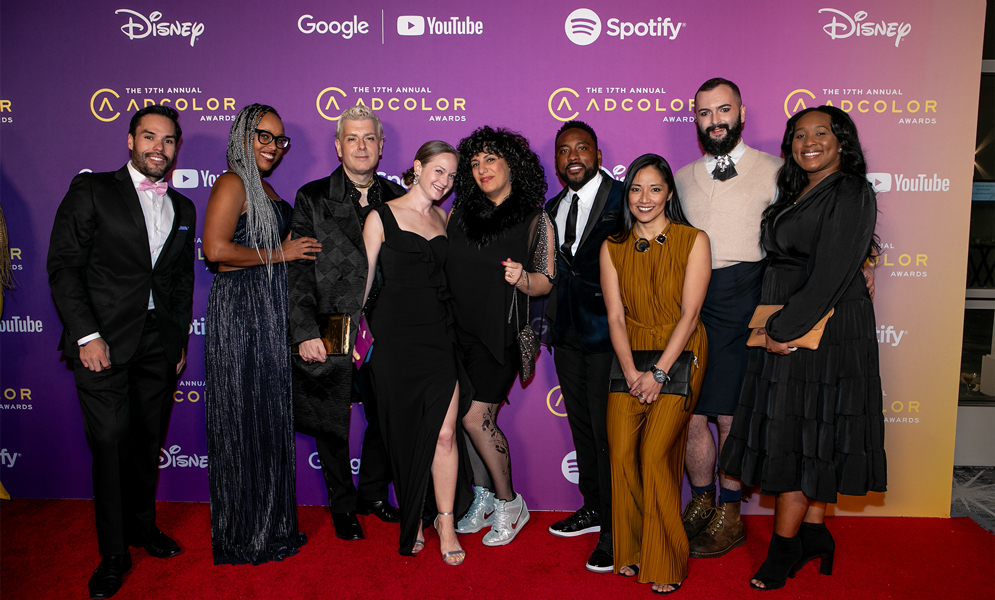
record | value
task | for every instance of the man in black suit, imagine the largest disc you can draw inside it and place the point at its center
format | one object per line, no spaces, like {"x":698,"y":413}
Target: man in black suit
{"x":585,"y":213}
{"x":120,"y":264}
{"x":332,"y":210}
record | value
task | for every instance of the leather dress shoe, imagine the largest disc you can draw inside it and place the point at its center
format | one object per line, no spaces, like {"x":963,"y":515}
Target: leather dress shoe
{"x":380,"y":509}
{"x":157,"y":544}
{"x":347,"y":526}
{"x":106,"y":580}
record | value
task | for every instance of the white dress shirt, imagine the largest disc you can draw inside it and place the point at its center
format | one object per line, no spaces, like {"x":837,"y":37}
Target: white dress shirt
{"x":586,"y":197}
{"x":158,"y":211}
{"x":736,"y":154}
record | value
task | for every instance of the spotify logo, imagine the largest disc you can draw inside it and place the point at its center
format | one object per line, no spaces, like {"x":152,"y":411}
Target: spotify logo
{"x":583,"y":26}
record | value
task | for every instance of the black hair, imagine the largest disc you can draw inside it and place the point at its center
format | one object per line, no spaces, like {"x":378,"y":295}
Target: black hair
{"x":792,"y":179}
{"x":427,"y":152}
{"x":528,"y":180}
{"x":577,"y":125}
{"x":155,"y":109}
{"x":673,"y":209}
{"x":715,"y":82}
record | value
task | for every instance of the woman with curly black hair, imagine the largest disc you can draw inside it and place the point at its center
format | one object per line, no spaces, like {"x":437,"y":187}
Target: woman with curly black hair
{"x":499,"y":254}
{"x":809,"y":425}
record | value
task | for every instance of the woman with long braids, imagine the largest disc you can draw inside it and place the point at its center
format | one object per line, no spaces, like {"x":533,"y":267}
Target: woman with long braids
{"x":809,"y":424}
{"x":250,"y":431}
{"x":499,"y":253}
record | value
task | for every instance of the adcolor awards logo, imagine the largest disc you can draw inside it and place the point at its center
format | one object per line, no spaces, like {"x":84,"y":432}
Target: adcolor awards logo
{"x":855,"y":25}
{"x":882,"y":101}
{"x":566,"y":104}
{"x":558,"y":403}
{"x":151,"y":25}
{"x":17,"y":399}
{"x":569,"y":467}
{"x":583,"y":26}
{"x":332,"y":100}
{"x":106,"y":103}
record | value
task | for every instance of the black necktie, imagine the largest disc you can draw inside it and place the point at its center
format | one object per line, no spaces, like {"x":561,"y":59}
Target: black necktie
{"x":724,"y":168}
{"x":571,"y":233}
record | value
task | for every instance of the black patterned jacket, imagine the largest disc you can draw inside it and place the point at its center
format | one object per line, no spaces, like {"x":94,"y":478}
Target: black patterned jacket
{"x":334,"y":283}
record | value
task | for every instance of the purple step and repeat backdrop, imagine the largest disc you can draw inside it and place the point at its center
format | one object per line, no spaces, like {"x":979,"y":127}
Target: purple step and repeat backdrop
{"x":73,"y":74}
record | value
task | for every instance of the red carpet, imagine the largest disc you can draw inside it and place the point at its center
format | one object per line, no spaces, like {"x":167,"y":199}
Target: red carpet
{"x":48,"y":550}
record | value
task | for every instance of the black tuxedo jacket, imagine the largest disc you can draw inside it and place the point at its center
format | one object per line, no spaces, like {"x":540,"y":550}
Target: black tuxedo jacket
{"x":577,"y":301}
{"x":333,"y":283}
{"x":100,"y":268}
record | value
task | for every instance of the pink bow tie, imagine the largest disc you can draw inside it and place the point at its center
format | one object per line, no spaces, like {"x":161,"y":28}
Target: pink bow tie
{"x":159,"y":188}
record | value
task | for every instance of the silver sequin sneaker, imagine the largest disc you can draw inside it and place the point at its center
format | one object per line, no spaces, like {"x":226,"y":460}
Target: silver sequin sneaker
{"x":481,"y":513}
{"x":509,"y":518}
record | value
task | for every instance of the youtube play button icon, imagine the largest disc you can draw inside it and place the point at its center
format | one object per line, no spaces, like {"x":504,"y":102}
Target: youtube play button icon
{"x":411,"y":25}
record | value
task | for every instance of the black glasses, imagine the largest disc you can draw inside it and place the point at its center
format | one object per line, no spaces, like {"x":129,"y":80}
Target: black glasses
{"x":266,"y":137}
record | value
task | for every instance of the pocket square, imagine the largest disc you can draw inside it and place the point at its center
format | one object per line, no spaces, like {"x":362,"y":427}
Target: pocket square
{"x":183,"y":228}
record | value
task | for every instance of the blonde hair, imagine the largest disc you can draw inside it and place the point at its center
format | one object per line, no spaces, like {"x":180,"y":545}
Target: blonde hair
{"x":359,"y":112}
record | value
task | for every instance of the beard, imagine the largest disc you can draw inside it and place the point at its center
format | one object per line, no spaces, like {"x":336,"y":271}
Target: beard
{"x":724,"y":145}
{"x":151,"y":170}
{"x":579,"y":182}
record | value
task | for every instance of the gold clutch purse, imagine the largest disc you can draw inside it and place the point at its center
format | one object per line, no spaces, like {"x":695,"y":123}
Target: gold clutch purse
{"x":334,"y":332}
{"x":758,"y":339}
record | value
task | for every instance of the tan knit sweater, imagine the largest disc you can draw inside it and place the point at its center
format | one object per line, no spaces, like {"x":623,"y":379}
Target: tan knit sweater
{"x":730,"y":211}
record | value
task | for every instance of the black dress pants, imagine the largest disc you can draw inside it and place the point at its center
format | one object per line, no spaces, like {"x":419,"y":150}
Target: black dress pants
{"x":374,"y":469}
{"x":126,"y":411}
{"x":583,"y":380}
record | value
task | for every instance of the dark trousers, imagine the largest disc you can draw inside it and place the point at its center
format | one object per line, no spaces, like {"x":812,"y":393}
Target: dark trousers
{"x":125,"y":413}
{"x":374,"y":469}
{"x":583,"y":380}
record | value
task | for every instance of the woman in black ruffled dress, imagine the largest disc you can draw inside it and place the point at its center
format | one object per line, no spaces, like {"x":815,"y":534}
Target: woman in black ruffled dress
{"x":809,"y":424}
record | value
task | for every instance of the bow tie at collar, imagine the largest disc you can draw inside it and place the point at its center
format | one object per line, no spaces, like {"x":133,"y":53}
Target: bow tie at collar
{"x":159,"y":188}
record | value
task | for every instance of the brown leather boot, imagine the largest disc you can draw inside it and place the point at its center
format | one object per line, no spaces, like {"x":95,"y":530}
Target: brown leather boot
{"x":724,"y":532}
{"x":694,"y":516}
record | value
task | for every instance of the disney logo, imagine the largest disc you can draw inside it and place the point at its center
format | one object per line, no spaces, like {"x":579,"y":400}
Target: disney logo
{"x":144,"y":26}
{"x":855,"y":26}
{"x":173,"y":458}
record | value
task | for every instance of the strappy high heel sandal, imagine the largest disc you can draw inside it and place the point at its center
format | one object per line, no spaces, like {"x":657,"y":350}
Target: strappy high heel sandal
{"x":453,"y":558}
{"x":782,"y":556}
{"x":817,"y":542}
{"x":676,"y":587}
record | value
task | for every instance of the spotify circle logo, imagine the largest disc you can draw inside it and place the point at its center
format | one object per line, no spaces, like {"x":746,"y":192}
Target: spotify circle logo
{"x":583,"y":26}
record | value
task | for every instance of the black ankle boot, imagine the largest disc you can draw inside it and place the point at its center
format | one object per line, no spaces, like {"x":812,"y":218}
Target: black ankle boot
{"x":816,"y":542}
{"x":782,"y":556}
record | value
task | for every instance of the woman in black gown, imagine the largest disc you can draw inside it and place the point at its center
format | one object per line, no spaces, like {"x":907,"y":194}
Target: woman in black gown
{"x":499,"y":249}
{"x":250,"y":425}
{"x":809,"y":424}
{"x":414,"y":362}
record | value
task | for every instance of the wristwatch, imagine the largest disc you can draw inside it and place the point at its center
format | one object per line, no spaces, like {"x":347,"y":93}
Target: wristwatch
{"x":659,"y":375}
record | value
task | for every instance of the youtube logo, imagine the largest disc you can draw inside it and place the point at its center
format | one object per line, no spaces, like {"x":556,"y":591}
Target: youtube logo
{"x":411,"y":25}
{"x":185,"y":178}
{"x":881,"y":182}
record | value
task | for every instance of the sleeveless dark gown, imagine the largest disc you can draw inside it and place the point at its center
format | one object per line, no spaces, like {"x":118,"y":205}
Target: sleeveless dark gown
{"x":415,"y":369}
{"x":250,"y":423}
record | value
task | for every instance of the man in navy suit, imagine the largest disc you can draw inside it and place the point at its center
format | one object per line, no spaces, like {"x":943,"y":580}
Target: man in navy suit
{"x":120,"y":264}
{"x":585,"y":213}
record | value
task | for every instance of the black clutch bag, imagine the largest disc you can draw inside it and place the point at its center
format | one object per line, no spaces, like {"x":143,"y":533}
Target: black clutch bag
{"x":680,"y":373}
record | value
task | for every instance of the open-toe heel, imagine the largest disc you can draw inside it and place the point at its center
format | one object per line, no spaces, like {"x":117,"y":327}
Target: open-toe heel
{"x":782,"y":556}
{"x":633,"y":568}
{"x":817,"y":542}
{"x":452,"y":558}
{"x":676,"y":587}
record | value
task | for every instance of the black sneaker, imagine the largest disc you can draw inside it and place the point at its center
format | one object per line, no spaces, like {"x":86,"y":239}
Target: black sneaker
{"x":602,"y":560}
{"x":581,"y":522}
